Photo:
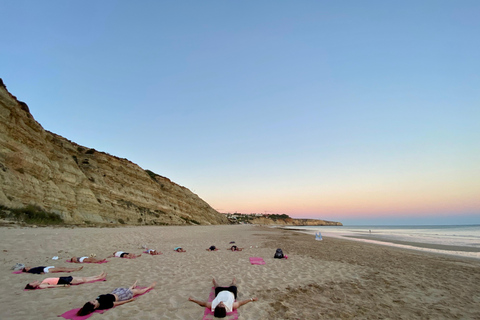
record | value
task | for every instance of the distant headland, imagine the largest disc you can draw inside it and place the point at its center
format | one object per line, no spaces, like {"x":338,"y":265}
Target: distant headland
{"x":277,"y":219}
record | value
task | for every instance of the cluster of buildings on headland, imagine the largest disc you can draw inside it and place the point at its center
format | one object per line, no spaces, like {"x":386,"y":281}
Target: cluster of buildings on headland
{"x":276,"y":219}
{"x":248,"y":217}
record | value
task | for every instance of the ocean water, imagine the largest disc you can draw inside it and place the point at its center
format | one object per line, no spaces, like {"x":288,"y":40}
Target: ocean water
{"x":446,"y":239}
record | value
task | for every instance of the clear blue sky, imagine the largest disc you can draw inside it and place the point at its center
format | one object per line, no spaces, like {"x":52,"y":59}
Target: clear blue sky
{"x":352,"y":111}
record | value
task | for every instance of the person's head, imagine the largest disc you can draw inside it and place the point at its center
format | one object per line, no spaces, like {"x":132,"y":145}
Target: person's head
{"x":73,"y":259}
{"x":32,"y":285}
{"x":220,"y":311}
{"x":25,"y":269}
{"x":87,"y":308}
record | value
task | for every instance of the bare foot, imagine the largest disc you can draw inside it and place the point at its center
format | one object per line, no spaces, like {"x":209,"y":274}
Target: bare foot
{"x":234,"y":281}
{"x":214,"y":283}
{"x":134,"y":285}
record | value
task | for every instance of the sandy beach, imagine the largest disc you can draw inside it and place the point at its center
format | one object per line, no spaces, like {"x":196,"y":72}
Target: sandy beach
{"x":329,"y":279}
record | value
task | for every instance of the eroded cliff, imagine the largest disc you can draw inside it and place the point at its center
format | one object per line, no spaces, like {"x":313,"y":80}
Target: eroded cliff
{"x":82,"y":185}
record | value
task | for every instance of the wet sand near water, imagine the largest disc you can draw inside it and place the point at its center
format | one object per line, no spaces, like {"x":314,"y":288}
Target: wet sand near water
{"x":419,"y":244}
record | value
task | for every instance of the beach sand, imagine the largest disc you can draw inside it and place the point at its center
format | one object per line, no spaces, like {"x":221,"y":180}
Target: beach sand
{"x":329,"y":279}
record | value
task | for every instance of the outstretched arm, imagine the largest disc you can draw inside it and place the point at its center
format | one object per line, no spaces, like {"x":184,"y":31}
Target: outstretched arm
{"x":238,"y":304}
{"x":119,"y":303}
{"x":201,"y":303}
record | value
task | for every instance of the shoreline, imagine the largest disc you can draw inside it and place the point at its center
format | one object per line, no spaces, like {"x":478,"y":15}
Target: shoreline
{"x":443,"y":247}
{"x":330,"y":279}
{"x":459,"y":250}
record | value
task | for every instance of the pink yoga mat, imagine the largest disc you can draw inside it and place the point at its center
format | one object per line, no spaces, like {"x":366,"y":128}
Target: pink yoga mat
{"x":208,"y":314}
{"x":72,"y":314}
{"x":256,"y":260}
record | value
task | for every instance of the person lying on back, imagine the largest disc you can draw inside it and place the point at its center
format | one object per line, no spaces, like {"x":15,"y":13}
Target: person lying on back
{"x":51,"y":269}
{"x":224,"y":301}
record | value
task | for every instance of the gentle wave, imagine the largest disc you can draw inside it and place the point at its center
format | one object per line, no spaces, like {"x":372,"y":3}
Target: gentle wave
{"x":456,"y":240}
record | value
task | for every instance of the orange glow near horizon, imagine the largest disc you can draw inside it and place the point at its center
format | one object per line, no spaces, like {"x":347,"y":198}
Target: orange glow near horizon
{"x":380,"y":204}
{"x":424,"y":193}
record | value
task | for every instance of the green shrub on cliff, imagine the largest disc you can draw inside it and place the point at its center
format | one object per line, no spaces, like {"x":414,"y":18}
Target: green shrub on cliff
{"x":151,"y":174}
{"x":276,"y":217}
{"x":31,"y":214}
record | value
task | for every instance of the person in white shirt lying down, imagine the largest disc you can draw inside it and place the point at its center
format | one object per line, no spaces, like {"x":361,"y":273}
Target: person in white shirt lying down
{"x":224,"y":301}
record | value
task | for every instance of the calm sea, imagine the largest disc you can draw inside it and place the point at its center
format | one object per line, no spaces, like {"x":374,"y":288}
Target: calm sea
{"x":456,"y":240}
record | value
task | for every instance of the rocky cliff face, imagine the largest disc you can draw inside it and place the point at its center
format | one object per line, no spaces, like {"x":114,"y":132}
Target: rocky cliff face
{"x":83,"y":185}
{"x":294,"y":222}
